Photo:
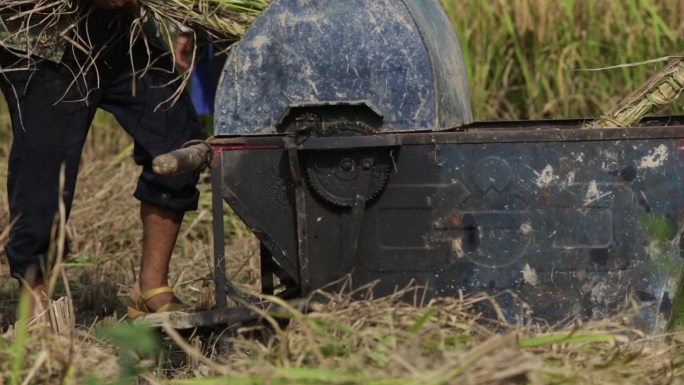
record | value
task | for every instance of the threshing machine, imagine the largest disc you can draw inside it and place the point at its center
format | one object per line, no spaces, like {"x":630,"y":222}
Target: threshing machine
{"x":344,"y":139}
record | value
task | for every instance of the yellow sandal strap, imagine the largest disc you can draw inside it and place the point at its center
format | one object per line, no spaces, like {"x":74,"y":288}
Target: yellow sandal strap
{"x":148,"y":295}
{"x":171,"y":307}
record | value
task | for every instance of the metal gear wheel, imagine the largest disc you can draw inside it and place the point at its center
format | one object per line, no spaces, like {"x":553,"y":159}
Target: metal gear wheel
{"x":333,"y":174}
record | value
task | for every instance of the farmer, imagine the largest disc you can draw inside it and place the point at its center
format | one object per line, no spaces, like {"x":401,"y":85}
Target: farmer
{"x":52,"y":106}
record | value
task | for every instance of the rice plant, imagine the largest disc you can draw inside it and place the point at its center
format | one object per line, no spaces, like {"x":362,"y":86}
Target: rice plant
{"x":526,"y":58}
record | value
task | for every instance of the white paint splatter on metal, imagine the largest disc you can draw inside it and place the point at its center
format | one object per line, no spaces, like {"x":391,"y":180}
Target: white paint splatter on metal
{"x":529,"y":275}
{"x":594,"y":194}
{"x":655,"y":158}
{"x":545,"y":177}
{"x":569,"y":179}
{"x":525,"y":228}
{"x":457,"y":247}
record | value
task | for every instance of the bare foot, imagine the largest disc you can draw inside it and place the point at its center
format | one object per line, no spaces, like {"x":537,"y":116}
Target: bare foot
{"x":160,"y":229}
{"x":38,"y":315}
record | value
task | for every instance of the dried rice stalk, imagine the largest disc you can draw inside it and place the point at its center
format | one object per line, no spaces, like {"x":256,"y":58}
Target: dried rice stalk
{"x":61,"y":314}
{"x":659,"y":91}
{"x":45,"y":29}
{"x":226,"y":20}
{"x":41,"y":27}
{"x":351,"y":337}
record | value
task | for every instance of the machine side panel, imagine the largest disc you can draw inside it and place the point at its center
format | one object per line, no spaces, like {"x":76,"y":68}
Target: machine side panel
{"x":258,"y":187}
{"x":572,"y":228}
{"x":556,"y":229}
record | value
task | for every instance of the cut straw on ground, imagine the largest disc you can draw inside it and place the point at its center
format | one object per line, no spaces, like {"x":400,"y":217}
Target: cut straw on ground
{"x":388,"y":341}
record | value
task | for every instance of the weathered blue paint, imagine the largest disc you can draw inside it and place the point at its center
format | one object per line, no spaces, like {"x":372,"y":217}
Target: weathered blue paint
{"x":401,"y":57}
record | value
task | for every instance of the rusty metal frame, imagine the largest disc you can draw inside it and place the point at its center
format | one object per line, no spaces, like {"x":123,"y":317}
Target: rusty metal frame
{"x":483,"y":132}
{"x":220,"y":279}
{"x":300,"y":199}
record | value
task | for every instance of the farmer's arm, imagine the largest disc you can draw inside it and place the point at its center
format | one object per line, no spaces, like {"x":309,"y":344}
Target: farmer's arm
{"x":116,"y":4}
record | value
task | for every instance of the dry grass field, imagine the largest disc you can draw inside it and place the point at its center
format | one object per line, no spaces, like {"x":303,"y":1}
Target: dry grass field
{"x":526,"y":60}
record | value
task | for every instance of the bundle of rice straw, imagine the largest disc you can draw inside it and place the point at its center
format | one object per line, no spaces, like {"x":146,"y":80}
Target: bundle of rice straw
{"x":225,"y":20}
{"x":662,"y":89}
{"x":41,"y":26}
{"x":38,"y":27}
{"x":45,"y":29}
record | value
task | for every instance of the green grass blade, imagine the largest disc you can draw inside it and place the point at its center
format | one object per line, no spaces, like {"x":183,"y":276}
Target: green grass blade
{"x":18,"y":348}
{"x":565,"y":339}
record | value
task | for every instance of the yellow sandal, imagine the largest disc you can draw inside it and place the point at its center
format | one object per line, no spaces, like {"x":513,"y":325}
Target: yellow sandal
{"x":140,"y":308}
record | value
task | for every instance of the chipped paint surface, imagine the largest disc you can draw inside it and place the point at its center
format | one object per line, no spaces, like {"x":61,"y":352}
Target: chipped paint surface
{"x":457,"y":247}
{"x":529,"y":275}
{"x":400,"y":56}
{"x":600,"y":292}
{"x":593,"y":193}
{"x":569,"y":179}
{"x":546,"y":177}
{"x":525,"y":228}
{"x":610,"y":160}
{"x":655,"y":158}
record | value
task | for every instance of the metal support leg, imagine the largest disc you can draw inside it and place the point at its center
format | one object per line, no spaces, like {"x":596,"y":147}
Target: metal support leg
{"x":300,"y":199}
{"x":268,"y":267}
{"x":220,"y":279}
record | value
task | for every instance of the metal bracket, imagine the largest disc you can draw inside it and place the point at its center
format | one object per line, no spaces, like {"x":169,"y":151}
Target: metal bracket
{"x":353,"y":220}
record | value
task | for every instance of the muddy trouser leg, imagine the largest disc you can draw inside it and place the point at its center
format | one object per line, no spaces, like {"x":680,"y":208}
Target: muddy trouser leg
{"x":49,"y":127}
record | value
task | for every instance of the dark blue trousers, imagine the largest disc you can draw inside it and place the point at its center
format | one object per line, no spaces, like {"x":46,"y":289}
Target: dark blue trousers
{"x":51,"y":111}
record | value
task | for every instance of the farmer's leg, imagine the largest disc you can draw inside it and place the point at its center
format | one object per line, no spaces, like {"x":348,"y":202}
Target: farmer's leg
{"x":160,"y":229}
{"x":48,"y":136}
{"x":155,"y":131}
